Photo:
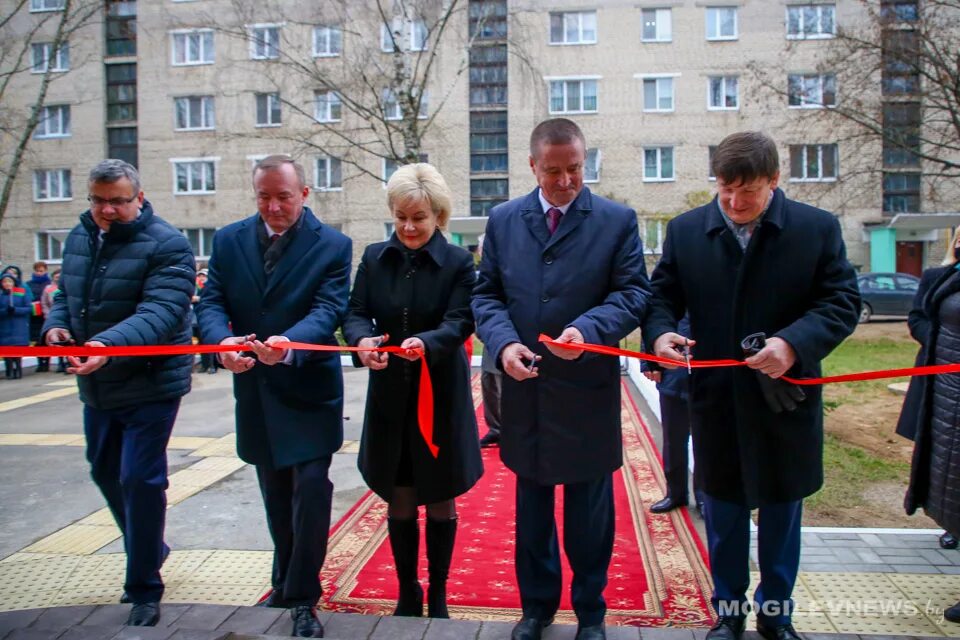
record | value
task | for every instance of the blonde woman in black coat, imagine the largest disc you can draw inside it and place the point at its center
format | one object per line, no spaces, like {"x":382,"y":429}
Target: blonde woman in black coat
{"x":415,"y":288}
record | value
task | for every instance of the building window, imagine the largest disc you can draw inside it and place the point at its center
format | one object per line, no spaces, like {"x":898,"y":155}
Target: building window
{"x":328,"y":174}
{"x":723,"y":93}
{"x":54,"y":122}
{"x":721,"y":23}
{"x":194,"y":113}
{"x":901,"y":192}
{"x":327,"y":41}
{"x":121,"y":92}
{"x":712,"y":149}
{"x":812,"y":91}
{"x":488,"y":150}
{"x":813,"y":162}
{"x":121,"y":28}
{"x":901,"y":134}
{"x":657,"y":25}
{"x":488,"y":75}
{"x":658,"y":93}
{"x":658,"y":164}
{"x":573,"y":96}
{"x":46,"y":5}
{"x":201,"y":241}
{"x":43,"y":58}
{"x":51,"y":185}
{"x":122,"y":144}
{"x":591,"y":167}
{"x":573,"y":27}
{"x":488,"y":19}
{"x":811,"y":21}
{"x":901,"y":62}
{"x":393,"y":110}
{"x":900,"y":11}
{"x":412,"y":33}
{"x":486,"y":193}
{"x":192,"y":47}
{"x":268,"y":109}
{"x":264,"y":42}
{"x":194,"y":175}
{"x":326,"y":106}
{"x":390,"y":166}
{"x":48,"y":244}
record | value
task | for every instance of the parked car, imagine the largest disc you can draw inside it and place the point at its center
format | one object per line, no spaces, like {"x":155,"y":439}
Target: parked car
{"x":886,"y":294}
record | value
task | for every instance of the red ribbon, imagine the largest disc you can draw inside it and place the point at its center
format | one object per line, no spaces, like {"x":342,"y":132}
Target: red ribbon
{"x":424,"y":398}
{"x":704,"y":364}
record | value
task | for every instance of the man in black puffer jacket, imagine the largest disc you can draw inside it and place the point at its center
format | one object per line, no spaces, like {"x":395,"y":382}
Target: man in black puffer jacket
{"x":126,"y":280}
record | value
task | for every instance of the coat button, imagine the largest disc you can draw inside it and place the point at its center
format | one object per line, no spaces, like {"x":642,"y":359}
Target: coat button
{"x":545,"y":299}
{"x":548,"y":259}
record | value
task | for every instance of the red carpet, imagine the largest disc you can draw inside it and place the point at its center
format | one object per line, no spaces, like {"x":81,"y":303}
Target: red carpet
{"x":658,"y":575}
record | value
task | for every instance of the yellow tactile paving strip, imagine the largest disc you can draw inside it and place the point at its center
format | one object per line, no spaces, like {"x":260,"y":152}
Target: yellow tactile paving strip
{"x":19,"y":403}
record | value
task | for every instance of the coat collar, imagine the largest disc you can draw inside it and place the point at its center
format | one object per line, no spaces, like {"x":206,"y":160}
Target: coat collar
{"x":253,"y":256}
{"x":436,"y":248}
{"x":532,"y":214}
{"x":775,"y":215}
{"x":119,"y":231}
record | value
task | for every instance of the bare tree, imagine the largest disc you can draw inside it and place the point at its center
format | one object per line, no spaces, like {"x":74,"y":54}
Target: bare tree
{"x":378,"y":93}
{"x":894,"y":84}
{"x":19,"y":58}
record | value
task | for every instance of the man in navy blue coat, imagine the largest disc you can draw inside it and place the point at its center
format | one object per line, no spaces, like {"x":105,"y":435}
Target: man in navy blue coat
{"x":564,"y":262}
{"x":279,"y":276}
{"x":754,"y":262}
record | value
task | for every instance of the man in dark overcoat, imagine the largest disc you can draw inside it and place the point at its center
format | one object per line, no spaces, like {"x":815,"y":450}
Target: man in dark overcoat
{"x":567,"y":263}
{"x":754,"y":261}
{"x":278,"y":276}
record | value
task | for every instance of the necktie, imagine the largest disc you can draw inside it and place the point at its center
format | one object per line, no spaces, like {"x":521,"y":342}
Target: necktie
{"x":274,"y":238}
{"x":553,"y":219}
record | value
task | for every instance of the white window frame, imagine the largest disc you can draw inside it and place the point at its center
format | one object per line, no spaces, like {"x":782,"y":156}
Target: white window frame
{"x":204,"y":113}
{"x":64,"y":180}
{"x":656,"y":79}
{"x":201,"y":237}
{"x":578,"y":15}
{"x":723,"y":93}
{"x":41,"y":64}
{"x":659,"y":149}
{"x":564,"y":80}
{"x":716,"y":12}
{"x":597,"y":163}
{"x":270,"y":97}
{"x":391,"y":105}
{"x":192,"y":163}
{"x":667,"y":24}
{"x":38,"y":6}
{"x":203,"y":35}
{"x":819,"y":150}
{"x":264,"y":48}
{"x":328,"y":30}
{"x":821,"y":80}
{"x":328,"y":104}
{"x":54,"y":113}
{"x":327,"y":174}
{"x":413,"y":31}
{"x":803,"y":35}
{"x":60,"y":235}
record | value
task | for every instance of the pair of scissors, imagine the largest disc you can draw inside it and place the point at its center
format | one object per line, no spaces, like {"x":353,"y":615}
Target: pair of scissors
{"x":686,"y":354}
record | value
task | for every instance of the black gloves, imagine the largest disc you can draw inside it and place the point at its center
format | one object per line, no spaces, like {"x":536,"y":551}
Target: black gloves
{"x":780,"y":395}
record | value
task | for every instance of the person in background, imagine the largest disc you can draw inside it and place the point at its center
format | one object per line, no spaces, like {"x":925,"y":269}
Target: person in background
{"x":491,"y":383}
{"x":936,"y":453}
{"x":14,"y":322}
{"x":919,"y":323}
{"x":208,"y":361}
{"x":37,"y":283}
{"x":46,"y":304}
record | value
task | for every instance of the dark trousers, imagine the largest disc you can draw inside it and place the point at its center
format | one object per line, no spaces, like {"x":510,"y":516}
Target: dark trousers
{"x":127,"y":451}
{"x":675,"y":420}
{"x":778,"y":542}
{"x":588,"y":530}
{"x":298,"y":500}
{"x":491,"y":384}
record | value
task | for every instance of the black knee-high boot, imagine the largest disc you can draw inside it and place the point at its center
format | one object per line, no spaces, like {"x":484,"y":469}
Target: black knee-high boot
{"x":441,"y":535}
{"x":405,"y":544}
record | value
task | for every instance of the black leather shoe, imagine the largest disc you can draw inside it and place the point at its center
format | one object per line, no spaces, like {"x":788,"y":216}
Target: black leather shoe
{"x":529,"y":629}
{"x":145,"y":614}
{"x":779,"y":632}
{"x":275,"y":601}
{"x":492,"y":439}
{"x":667,"y":504}
{"x":727,"y":628}
{"x":595,"y":632}
{"x":305,"y":622}
{"x":952,"y":613}
{"x":947,"y":541}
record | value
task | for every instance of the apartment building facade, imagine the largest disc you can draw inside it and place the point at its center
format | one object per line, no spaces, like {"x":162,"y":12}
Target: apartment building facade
{"x":195,"y":91}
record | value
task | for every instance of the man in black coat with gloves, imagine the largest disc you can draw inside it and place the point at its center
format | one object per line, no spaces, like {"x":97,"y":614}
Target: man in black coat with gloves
{"x":765,"y":277}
